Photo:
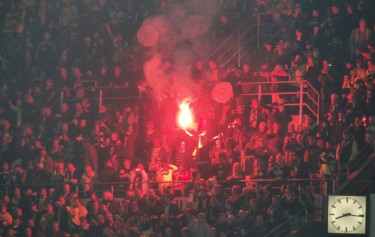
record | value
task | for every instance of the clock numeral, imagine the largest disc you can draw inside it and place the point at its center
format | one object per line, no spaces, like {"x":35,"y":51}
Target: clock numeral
{"x":359,"y":207}
{"x":339,"y":201}
{"x":347,"y":199}
{"x":333,"y":206}
{"x":353,"y":228}
{"x":331,"y":214}
{"x":339,"y":227}
{"x":333,"y":222}
{"x":354,"y":201}
{"x":346,"y":229}
{"x":359,"y":222}
{"x":361,"y":215}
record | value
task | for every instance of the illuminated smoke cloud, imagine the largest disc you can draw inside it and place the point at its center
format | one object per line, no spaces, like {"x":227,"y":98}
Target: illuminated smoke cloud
{"x":175,"y":40}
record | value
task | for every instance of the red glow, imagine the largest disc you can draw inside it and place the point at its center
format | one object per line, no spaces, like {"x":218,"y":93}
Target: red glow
{"x":184,"y":116}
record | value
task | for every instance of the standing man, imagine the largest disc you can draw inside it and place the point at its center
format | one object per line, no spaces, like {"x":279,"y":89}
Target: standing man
{"x":359,"y":38}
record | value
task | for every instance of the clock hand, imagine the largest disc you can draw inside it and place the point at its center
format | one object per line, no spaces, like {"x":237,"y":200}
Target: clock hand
{"x":344,"y":215}
{"x":357,"y":215}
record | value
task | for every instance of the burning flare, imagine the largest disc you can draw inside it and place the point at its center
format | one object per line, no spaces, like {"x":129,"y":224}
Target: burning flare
{"x":184,"y":116}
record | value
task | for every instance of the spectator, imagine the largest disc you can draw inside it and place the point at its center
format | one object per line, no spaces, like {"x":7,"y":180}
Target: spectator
{"x":139,"y":180}
{"x":345,"y":152}
{"x":275,"y":213}
{"x":89,"y":179}
{"x":90,"y":155}
{"x":45,"y":54}
{"x":278,"y":170}
{"x":221,"y":169}
{"x":198,"y":71}
{"x":112,"y":204}
{"x":107,"y":174}
{"x":266,"y":55}
{"x":214,"y":73}
{"x":48,"y":218}
{"x":77,"y":213}
{"x":327,"y":164}
{"x":359,"y":38}
{"x":68,"y":14}
{"x":200,"y":228}
{"x":6,"y":218}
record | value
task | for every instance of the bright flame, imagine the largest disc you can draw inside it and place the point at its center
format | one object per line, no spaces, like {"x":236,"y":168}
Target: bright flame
{"x":184,"y":116}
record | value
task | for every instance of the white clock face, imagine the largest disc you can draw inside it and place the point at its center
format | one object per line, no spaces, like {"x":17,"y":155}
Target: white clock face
{"x":347,"y":214}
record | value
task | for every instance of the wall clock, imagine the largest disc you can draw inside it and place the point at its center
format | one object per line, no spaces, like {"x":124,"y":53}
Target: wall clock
{"x":346,"y":214}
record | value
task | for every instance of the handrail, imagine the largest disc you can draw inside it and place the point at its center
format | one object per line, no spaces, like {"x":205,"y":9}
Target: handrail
{"x":52,"y":98}
{"x":274,"y":82}
{"x":359,"y":170}
{"x":315,"y":99}
{"x":280,"y":229}
{"x":311,"y":110}
{"x":239,"y":39}
{"x":98,"y":87}
{"x":227,"y":39}
{"x":100,"y":97}
{"x":313,"y":88}
{"x":62,"y":33}
{"x":359,"y":158}
{"x":311,"y":98}
{"x":7,"y":187}
{"x":78,"y":84}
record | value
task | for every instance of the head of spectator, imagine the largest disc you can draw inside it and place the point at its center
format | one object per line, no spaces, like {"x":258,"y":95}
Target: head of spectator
{"x":127,"y":108}
{"x":115,"y":136}
{"x":237,"y":170}
{"x":268,"y":46}
{"x":157,"y":142}
{"x":61,"y":201}
{"x":254,"y":103}
{"x":246,"y":68}
{"x":218,"y":190}
{"x":279,"y":47}
{"x":212,"y":65}
{"x":5,"y":167}
{"x":64,"y":73}
{"x":117,"y":71}
{"x":263,"y":127}
{"x":198,"y":65}
{"x":280,"y":159}
{"x":88,"y":170}
{"x":107,"y":196}
{"x":229,"y":206}
{"x":236,"y":191}
{"x":362,"y":24}
{"x":77,"y":73}
{"x":276,"y":199}
{"x":4,"y":208}
{"x":71,"y":167}
{"x":43,"y":193}
{"x":254,"y":203}
{"x":188,"y":214}
{"x":221,"y":219}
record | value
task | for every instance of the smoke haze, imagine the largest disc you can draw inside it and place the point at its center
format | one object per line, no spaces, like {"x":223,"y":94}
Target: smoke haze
{"x":178,"y":37}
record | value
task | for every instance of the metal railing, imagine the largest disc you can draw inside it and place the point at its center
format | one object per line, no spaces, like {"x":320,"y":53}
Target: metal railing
{"x":100,"y":95}
{"x":360,"y":172}
{"x":292,"y":224}
{"x":249,"y":36}
{"x":121,"y":186}
{"x":360,"y":158}
{"x":309,"y":97}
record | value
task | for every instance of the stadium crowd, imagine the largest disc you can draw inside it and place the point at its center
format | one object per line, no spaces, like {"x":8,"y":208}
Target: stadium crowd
{"x":54,"y":156}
